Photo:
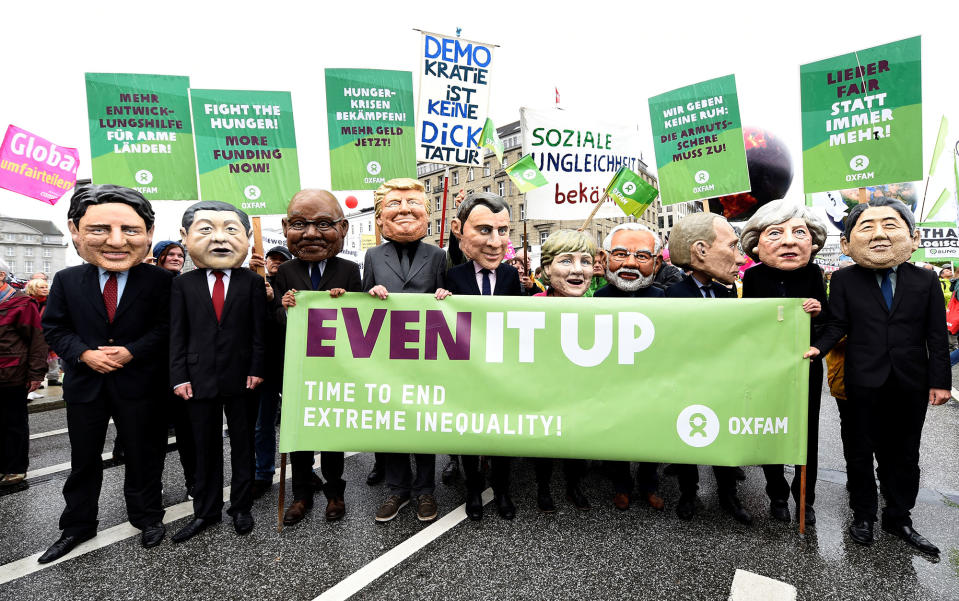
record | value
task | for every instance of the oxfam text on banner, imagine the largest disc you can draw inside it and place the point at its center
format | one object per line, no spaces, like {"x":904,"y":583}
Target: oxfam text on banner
{"x":370,"y":118}
{"x":453,"y":100}
{"x":578,"y":155}
{"x":938,"y":241}
{"x":246,"y":148}
{"x":862,"y":118}
{"x":140,"y":134}
{"x":698,"y":136}
{"x":35,"y":167}
{"x":412,"y":374}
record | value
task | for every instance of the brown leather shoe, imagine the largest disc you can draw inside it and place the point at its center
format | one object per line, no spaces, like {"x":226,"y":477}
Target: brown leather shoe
{"x":335,"y":508}
{"x":621,"y":501}
{"x":296,"y":512}
{"x":655,"y":501}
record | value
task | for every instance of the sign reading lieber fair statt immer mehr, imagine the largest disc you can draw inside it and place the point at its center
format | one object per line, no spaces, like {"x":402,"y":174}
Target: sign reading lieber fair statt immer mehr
{"x":675,"y":380}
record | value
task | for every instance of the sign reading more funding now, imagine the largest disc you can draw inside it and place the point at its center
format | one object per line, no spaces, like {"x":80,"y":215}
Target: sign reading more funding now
{"x":453,"y":99}
{"x":862,"y":118}
{"x":369,"y":114}
{"x":246,"y":148}
{"x":141,"y":136}
{"x":424,"y":376}
{"x":698,"y":137}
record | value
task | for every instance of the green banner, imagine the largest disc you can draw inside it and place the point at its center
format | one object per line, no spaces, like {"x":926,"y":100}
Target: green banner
{"x":938,"y":242}
{"x":630,"y":192}
{"x":862,"y":118}
{"x":489,"y":139}
{"x":698,"y":137}
{"x":246,"y":148}
{"x":371,"y":125}
{"x":717,"y":382}
{"x":525,"y":174}
{"x":140,"y":134}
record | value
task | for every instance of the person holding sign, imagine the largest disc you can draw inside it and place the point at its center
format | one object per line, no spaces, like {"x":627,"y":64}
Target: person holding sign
{"x":783,"y":237}
{"x":404,"y":264}
{"x":481,"y":227}
{"x":567,"y":260}
{"x":218,"y":357}
{"x":896,"y":364}
{"x":632,"y":252}
{"x":315,"y":229}
{"x":707,"y":245}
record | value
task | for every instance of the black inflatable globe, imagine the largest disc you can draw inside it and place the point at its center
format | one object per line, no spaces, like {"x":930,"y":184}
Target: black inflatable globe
{"x":770,"y":174}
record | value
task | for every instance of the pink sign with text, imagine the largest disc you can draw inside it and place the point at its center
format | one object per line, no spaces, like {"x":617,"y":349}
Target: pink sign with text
{"x":35,"y":167}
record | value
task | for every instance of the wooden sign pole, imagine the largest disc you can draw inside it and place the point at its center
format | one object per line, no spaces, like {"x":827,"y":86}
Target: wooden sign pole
{"x":258,"y":243}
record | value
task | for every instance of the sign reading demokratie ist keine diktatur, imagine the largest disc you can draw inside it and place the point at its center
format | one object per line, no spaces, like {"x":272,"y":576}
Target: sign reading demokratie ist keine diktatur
{"x":674,"y":380}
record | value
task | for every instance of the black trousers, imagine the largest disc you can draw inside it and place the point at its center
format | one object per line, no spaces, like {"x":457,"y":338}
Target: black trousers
{"x":14,"y":430}
{"x":885,"y":422}
{"x":140,"y":428}
{"x":776,"y":486}
{"x":646,"y":476}
{"x":206,"y":419}
{"x":498,"y":474}
{"x":331,"y":464}
{"x":688,"y":476}
{"x":178,"y":417}
{"x":573,"y":469}
{"x":399,"y":474}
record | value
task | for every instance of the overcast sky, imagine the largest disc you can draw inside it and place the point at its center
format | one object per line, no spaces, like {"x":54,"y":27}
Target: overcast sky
{"x":606,"y":58}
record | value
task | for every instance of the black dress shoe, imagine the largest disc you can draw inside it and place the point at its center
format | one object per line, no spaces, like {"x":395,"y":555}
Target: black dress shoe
{"x":195,"y":527}
{"x":64,"y":545}
{"x":451,"y":473}
{"x":861,"y":532}
{"x":912,"y":537}
{"x":731,"y":505}
{"x":504,"y":506}
{"x":376,"y":475}
{"x":575,"y":496}
{"x":686,"y":507}
{"x":243,"y":522}
{"x":779,"y":509}
{"x":474,"y":506}
{"x":152,"y":535}
{"x":544,"y":501}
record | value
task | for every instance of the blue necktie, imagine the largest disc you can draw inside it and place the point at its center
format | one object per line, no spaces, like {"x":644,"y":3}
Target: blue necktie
{"x":886,"y":288}
{"x":315,"y":275}
{"x":487,"y":289}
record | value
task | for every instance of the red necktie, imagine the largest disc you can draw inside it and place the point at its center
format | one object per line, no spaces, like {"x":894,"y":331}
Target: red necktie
{"x":110,"y":296}
{"x":218,"y":294}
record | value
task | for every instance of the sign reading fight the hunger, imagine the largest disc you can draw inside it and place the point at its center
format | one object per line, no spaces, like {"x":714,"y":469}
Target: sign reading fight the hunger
{"x":578,"y":155}
{"x":862,"y":118}
{"x":141,"y":136}
{"x":698,"y":137}
{"x":453,"y":100}
{"x":246,"y":148}
{"x":619,"y":379}
{"x":369,"y":114}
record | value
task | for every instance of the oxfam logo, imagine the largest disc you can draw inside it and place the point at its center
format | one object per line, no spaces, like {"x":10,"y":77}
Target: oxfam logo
{"x":697,"y":425}
{"x":859,"y":162}
{"x":529,"y":175}
{"x":373,"y":168}
{"x":251,"y":192}
{"x":702,"y":177}
{"x":629,"y":188}
{"x":143,"y":177}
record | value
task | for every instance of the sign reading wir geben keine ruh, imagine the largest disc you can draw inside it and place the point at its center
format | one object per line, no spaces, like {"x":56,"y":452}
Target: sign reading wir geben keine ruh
{"x":554,"y":377}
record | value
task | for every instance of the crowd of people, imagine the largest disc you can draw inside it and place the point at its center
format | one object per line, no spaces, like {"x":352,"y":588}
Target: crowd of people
{"x":150,"y":346}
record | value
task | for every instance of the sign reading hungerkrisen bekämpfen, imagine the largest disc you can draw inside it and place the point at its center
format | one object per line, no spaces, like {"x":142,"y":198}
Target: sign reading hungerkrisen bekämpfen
{"x":246,"y":148}
{"x":862,"y":118}
{"x":140,"y":134}
{"x":453,"y":100}
{"x":578,"y":155}
{"x":698,"y":137}
{"x":612,"y":377}
{"x":369,"y":114}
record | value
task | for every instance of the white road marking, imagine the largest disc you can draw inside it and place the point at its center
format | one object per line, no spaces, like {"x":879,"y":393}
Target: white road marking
{"x":52,"y":433}
{"x":353,"y":583}
{"x":753,"y":587}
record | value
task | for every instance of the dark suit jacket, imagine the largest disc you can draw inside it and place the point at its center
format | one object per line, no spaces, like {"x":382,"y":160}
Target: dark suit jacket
{"x":910,"y":340}
{"x":75,"y":320}
{"x":687,"y":288}
{"x":427,"y":270}
{"x":295,"y":275}
{"x":462,"y":280}
{"x":216,"y":358}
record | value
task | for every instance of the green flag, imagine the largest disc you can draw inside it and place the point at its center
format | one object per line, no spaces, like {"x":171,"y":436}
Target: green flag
{"x":631,"y":192}
{"x":940,"y":142}
{"x":489,"y":139}
{"x":525,"y":174}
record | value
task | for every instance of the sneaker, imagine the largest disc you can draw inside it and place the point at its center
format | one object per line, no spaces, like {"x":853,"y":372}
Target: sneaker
{"x":426,"y":508}
{"x":33,"y":396}
{"x":391,"y":507}
{"x":12,"y":479}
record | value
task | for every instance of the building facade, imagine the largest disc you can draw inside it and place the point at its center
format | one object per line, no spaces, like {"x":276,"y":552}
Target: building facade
{"x":32,"y":245}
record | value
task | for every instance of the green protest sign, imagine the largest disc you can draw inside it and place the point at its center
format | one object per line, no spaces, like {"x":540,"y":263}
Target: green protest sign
{"x":698,"y":137}
{"x":246,"y":148}
{"x":525,"y":174}
{"x":630,"y":192}
{"x":140,"y":134}
{"x":370,"y":118}
{"x":862,"y":118}
{"x":938,"y":241}
{"x":675,"y":380}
